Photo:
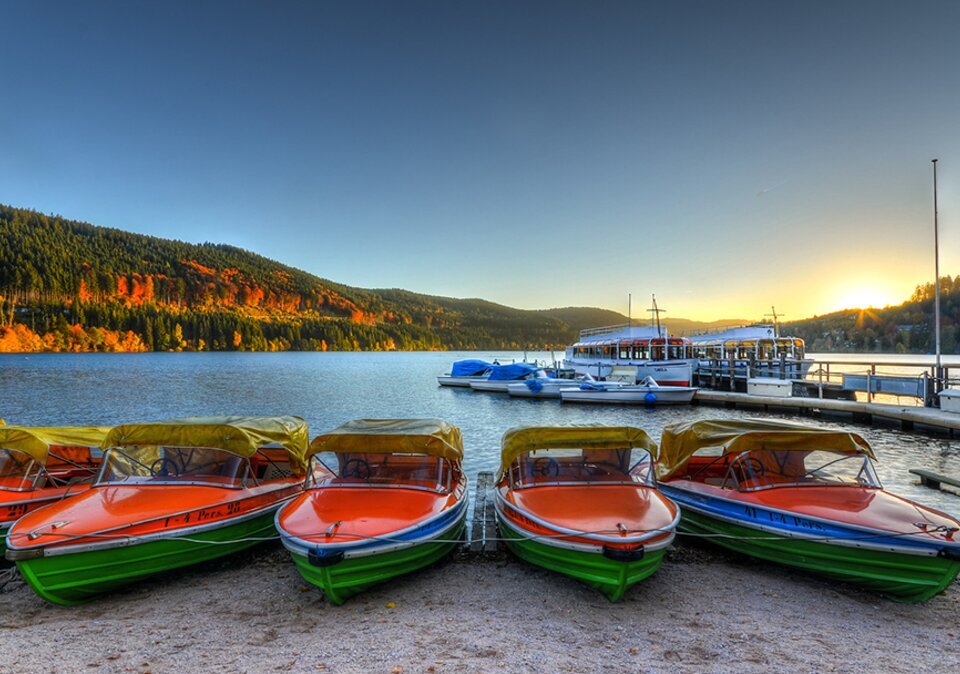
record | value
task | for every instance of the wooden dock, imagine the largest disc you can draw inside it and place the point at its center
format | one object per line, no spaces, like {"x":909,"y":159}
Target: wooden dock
{"x":933,"y":480}
{"x":908,"y":417}
{"x":483,"y":526}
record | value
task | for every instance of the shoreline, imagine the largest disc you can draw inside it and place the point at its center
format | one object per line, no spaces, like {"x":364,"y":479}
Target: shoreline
{"x":705,"y":610}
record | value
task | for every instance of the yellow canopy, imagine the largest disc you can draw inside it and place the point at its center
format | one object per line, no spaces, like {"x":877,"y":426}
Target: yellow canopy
{"x":36,"y":442}
{"x":387,"y":436}
{"x":681,"y":441}
{"x":517,"y":441}
{"x":240,"y":435}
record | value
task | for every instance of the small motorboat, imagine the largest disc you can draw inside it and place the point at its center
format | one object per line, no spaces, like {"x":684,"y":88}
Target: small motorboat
{"x":465,"y":371}
{"x":384,"y":497}
{"x":502,"y":375}
{"x":41,"y":465}
{"x":808,"y":498}
{"x":169,"y":494}
{"x":648,"y":392}
{"x":583,"y":501}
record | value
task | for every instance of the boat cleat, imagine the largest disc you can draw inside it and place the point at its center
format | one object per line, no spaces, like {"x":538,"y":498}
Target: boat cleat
{"x":37,"y":533}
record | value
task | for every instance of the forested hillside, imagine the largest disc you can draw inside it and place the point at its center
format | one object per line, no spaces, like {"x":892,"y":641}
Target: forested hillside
{"x":906,"y":328}
{"x":71,"y":286}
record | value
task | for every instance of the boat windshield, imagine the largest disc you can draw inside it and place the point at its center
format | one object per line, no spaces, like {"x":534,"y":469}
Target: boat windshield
{"x":768,"y":469}
{"x":412,"y":471}
{"x":582,"y":466}
{"x":18,"y":470}
{"x":153,"y":464}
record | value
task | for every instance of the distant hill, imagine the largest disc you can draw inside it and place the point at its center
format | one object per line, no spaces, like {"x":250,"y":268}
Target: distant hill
{"x":579,"y":318}
{"x":905,"y":328}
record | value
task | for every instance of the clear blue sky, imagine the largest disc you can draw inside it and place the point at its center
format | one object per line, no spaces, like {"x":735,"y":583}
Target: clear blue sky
{"x":724,"y":155}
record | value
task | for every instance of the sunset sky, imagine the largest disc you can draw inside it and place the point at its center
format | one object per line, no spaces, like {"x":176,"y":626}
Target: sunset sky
{"x":727,"y":156}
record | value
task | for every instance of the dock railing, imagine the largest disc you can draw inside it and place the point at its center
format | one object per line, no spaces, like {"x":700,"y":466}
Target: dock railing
{"x":917,"y":380}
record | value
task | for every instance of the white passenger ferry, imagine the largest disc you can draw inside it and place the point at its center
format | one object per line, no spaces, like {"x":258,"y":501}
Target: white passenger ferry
{"x":759,"y":347}
{"x":633,"y":353}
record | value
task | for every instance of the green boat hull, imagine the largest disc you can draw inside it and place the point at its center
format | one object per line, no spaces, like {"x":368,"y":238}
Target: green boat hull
{"x":612,"y":578}
{"x":75,"y":578}
{"x":351,"y":576}
{"x":900,"y":577}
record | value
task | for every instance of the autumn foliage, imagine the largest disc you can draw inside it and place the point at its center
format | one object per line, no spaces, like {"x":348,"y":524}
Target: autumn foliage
{"x":71,"y":286}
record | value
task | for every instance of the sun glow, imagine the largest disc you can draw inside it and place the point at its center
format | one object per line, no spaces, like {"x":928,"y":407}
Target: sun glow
{"x":863,"y":297}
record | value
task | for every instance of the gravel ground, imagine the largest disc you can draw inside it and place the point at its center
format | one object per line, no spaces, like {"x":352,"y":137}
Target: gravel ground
{"x":706,"y":610}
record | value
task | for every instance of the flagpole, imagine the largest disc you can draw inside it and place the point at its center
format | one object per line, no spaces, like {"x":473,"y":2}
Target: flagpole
{"x":936,"y":267}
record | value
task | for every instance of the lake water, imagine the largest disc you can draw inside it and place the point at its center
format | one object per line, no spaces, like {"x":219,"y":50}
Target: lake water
{"x":329,"y":388}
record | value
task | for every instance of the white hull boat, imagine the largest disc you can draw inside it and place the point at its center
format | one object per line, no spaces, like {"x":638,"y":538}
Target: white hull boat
{"x":462,"y":382}
{"x":540,"y":388}
{"x":648,"y":393}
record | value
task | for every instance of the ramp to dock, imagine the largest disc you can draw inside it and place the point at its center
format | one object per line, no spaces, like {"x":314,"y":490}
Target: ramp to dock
{"x":483,"y":526}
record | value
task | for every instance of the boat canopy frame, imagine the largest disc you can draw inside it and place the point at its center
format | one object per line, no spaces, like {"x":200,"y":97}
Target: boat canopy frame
{"x":433,"y":437}
{"x":679,"y":442}
{"x":747,"y":467}
{"x":38,"y":444}
{"x":524,"y":439}
{"x":243,"y":436}
{"x":334,"y":478}
{"x":242,"y":477}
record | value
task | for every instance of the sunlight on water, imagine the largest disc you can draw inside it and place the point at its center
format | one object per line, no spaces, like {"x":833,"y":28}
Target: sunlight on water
{"x":327,"y":389}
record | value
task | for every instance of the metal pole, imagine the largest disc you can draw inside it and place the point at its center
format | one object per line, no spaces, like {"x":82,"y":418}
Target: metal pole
{"x":936,"y":267}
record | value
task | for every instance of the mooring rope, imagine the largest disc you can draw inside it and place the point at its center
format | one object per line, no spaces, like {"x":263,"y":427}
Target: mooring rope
{"x":612,"y":532}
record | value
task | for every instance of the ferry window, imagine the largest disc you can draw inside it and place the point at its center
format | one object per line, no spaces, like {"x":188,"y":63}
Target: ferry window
{"x":656,"y":353}
{"x":624,"y":353}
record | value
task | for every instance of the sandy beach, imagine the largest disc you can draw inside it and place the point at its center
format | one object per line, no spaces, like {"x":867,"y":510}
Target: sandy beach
{"x":706,"y":610}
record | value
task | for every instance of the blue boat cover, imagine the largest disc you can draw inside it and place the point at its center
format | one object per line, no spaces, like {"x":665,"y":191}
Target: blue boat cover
{"x":512,"y":371}
{"x":587,"y":386}
{"x":469,"y":368}
{"x":535,"y":385}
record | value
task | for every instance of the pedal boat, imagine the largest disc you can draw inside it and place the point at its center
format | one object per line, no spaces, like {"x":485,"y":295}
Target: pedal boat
{"x":808,"y":498}
{"x":39,"y":466}
{"x":169,"y":494}
{"x":583,"y":501}
{"x":384,"y":497}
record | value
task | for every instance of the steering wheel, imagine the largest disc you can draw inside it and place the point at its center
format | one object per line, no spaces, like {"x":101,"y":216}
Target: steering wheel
{"x":754,"y":465}
{"x":546,"y":466}
{"x":164,"y":467}
{"x":357,"y":468}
